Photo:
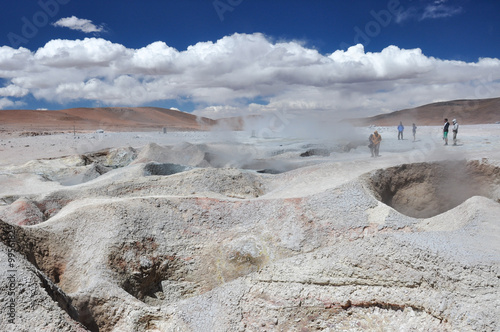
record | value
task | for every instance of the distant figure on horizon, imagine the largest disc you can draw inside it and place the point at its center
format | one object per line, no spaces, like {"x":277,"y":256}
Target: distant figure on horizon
{"x":400,"y":130}
{"x":445,"y":131}
{"x":455,"y":131}
{"x":374,"y":145}
{"x":414,"y":131}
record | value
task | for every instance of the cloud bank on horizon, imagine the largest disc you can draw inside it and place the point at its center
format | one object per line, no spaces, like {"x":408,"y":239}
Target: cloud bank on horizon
{"x":242,"y":74}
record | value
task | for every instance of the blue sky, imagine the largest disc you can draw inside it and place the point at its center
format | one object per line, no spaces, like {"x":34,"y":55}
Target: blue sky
{"x":221,"y":58}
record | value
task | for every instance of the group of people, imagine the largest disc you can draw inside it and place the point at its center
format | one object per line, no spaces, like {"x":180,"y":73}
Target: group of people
{"x":446,"y":128}
{"x":374,"y":145}
{"x":376,"y":138}
{"x":401,"y":128}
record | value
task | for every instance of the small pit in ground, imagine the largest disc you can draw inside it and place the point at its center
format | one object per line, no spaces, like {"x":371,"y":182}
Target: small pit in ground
{"x":154,"y":168}
{"x":149,"y":274}
{"x":424,"y":190}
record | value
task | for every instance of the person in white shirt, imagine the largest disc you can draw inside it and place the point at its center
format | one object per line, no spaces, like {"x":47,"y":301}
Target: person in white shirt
{"x":455,"y":131}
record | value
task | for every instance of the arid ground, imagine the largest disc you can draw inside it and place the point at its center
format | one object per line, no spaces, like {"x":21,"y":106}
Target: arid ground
{"x":195,"y":230}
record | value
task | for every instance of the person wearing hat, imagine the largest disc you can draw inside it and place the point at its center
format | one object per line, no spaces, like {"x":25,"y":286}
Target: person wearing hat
{"x":455,"y":131}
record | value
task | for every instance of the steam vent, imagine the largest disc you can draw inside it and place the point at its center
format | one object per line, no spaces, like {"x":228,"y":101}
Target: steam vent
{"x":424,"y":190}
{"x":209,"y":231}
{"x":250,"y":166}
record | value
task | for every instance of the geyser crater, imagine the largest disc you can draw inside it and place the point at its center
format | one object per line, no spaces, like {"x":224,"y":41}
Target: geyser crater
{"x":424,"y":190}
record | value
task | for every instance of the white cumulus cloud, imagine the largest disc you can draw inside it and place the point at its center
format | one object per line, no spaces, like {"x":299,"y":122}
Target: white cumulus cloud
{"x":242,"y":73}
{"x":80,"y":24}
{"x":13,"y":91}
{"x":5,"y":102}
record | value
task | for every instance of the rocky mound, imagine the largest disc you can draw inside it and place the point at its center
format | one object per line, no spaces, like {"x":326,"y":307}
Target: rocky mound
{"x":424,"y":190}
{"x":156,"y":245}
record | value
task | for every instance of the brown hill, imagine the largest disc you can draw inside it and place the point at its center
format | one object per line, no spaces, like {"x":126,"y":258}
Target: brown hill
{"x":477,"y":111}
{"x":154,"y":118}
{"x":107,"y":118}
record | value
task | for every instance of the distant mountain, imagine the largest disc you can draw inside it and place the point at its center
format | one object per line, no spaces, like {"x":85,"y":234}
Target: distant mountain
{"x":475,"y":111}
{"x":107,"y":118}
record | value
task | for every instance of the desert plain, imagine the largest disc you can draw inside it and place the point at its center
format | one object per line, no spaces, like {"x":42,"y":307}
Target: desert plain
{"x":249,"y":230}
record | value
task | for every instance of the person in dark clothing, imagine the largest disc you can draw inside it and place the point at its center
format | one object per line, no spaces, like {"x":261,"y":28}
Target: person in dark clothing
{"x":445,"y":131}
{"x":414,"y":131}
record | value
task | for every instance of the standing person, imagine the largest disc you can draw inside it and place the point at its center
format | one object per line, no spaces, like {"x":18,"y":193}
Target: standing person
{"x":370,"y":145}
{"x":414,"y":131}
{"x":400,"y":130}
{"x":445,"y":131}
{"x":375,"y":140}
{"x":455,"y":131}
